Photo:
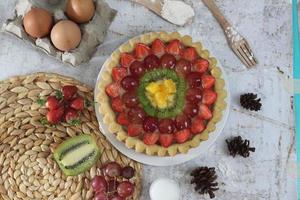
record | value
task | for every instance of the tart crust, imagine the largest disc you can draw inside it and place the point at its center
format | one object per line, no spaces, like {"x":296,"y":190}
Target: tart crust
{"x":135,"y":143}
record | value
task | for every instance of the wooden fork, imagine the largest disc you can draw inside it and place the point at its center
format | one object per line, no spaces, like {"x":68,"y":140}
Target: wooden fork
{"x":238,"y":43}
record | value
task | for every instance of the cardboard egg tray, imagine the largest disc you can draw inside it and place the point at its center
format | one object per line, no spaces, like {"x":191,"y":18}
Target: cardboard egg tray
{"x":93,"y":33}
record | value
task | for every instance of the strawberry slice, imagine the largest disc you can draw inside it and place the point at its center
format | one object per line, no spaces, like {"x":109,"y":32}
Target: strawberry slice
{"x":71,"y":116}
{"x":113,"y":89}
{"x":150,"y":138}
{"x":52,"y":103}
{"x":134,"y":130}
{"x":189,"y":54}
{"x":55,"y":116}
{"x":122,"y":119}
{"x":182,"y":136}
{"x":174,"y":47}
{"x":158,"y":47}
{"x":204,"y":112}
{"x":198,"y":126}
{"x":77,"y":103}
{"x":69,"y":91}
{"x":126,"y":60}
{"x":209,"y":97}
{"x":141,"y":51}
{"x":201,"y":65}
{"x":117,"y":104}
{"x":208,"y":81}
{"x":166,"y":139}
{"x":118,"y":73}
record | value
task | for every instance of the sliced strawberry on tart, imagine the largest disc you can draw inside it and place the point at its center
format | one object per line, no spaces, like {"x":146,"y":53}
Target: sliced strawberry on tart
{"x":166,"y":92}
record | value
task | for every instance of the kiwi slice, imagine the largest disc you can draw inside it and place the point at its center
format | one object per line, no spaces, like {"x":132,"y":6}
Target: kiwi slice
{"x":77,"y":154}
{"x":179,"y":101}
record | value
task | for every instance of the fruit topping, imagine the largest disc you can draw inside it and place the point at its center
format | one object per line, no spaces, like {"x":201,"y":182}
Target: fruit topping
{"x":55,"y":116}
{"x":150,"y":124}
{"x":207,"y":81}
{"x":161,"y":93}
{"x":158,"y":47}
{"x":194,"y":79}
{"x":126,"y":60}
{"x":52,"y":103}
{"x":174,"y":47}
{"x":209,"y":97}
{"x":69,"y":91}
{"x":122,"y":119}
{"x":150,"y":138}
{"x":191,"y":110}
{"x":77,"y":155}
{"x":128,"y":172}
{"x":183,"y":67}
{"x":113,"y":90}
{"x":129,"y":83}
{"x":166,"y":140}
{"x":194,"y":95}
{"x":197,"y":126}
{"x":201,"y":65}
{"x":136,"y":115}
{"x":137,"y":68}
{"x":166,"y":126}
{"x":151,"y":62}
{"x":204,"y":112}
{"x":189,"y":54}
{"x":134,"y":130}
{"x":118,"y":73}
{"x":182,"y":136}
{"x":141,"y":51}
{"x":112,"y":169}
{"x":117,"y":104}
{"x":182,"y":122}
{"x":168,"y":61}
{"x":77,"y":103}
{"x":125,"y":189}
{"x":130,"y":99}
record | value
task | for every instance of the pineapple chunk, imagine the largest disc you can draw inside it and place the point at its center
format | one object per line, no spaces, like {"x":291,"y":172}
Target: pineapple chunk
{"x":161,"y":93}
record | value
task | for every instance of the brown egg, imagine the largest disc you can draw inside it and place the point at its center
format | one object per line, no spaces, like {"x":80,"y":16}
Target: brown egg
{"x":38,"y":22}
{"x":80,"y":11}
{"x":66,"y":35}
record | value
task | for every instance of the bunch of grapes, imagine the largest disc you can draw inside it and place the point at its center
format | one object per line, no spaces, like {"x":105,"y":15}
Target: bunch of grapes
{"x":114,"y":184}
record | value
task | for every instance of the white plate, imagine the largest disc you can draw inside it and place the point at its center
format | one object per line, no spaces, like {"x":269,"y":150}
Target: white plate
{"x":156,"y":160}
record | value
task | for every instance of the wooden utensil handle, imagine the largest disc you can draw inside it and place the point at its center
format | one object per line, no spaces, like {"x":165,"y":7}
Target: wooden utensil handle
{"x":217,"y":13}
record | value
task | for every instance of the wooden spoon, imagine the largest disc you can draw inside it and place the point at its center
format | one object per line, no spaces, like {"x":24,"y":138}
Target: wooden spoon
{"x":156,"y":6}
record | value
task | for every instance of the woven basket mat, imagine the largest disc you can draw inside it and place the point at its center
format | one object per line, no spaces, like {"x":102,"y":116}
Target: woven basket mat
{"x":27,"y":168}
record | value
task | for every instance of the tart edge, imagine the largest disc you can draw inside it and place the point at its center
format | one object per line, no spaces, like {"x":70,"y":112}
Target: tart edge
{"x":138,"y":145}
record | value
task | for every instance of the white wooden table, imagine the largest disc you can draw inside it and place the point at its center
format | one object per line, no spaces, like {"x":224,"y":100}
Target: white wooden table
{"x":269,"y":173}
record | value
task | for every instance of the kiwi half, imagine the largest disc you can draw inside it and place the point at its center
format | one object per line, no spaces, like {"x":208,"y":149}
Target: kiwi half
{"x":77,"y":154}
{"x":179,"y":101}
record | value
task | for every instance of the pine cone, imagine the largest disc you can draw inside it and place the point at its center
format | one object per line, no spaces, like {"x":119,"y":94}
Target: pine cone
{"x":239,"y":146}
{"x":205,"y":178}
{"x":249,"y":101}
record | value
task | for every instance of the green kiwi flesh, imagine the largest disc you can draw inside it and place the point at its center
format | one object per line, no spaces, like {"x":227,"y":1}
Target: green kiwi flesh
{"x":77,"y":154}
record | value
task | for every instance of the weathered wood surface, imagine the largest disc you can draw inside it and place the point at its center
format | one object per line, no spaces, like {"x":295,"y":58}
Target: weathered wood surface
{"x":267,"y":174}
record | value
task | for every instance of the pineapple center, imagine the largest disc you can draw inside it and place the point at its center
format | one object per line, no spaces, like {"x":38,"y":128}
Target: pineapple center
{"x":161,"y":93}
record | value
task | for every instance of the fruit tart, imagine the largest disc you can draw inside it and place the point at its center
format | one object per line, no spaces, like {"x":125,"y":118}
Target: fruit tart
{"x":161,"y":94}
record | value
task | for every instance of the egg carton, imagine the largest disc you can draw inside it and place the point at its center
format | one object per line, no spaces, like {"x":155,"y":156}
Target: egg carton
{"x":93,"y":33}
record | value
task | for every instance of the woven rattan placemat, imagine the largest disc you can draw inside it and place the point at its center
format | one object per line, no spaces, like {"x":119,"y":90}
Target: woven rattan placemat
{"x":27,"y":168}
